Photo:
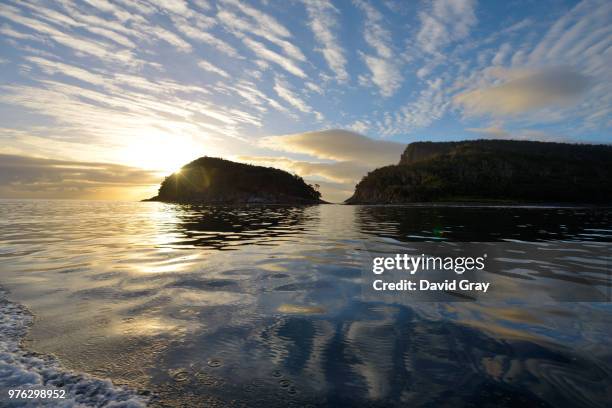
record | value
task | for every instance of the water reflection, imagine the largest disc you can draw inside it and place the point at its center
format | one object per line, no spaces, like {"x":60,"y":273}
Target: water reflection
{"x":379,"y":355}
{"x":486,"y":224}
{"x":226,"y":228}
{"x":151,"y":295}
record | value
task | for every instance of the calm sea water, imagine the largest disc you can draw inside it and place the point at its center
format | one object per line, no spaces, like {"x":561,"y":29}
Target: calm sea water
{"x":262,"y":306}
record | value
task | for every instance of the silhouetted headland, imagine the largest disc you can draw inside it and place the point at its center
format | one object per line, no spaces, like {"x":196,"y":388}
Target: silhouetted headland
{"x":213,"y":180}
{"x":492,"y":170}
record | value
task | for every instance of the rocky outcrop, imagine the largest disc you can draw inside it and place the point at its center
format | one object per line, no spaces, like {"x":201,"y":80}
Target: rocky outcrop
{"x":419,"y":151}
{"x":485,"y":170}
{"x":217,"y":181}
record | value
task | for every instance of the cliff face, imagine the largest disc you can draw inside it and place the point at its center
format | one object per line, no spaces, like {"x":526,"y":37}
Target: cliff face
{"x":420,"y":151}
{"x":214,"y":180}
{"x":484,"y":170}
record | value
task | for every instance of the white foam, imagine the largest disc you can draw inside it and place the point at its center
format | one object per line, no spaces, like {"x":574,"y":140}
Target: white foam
{"x":20,"y":369}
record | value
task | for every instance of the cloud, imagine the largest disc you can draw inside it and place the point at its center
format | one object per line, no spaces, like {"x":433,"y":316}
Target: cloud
{"x":445,"y":22}
{"x":105,"y":6}
{"x":126,"y":110}
{"x":429,"y":106}
{"x":88,"y":21}
{"x":323,"y":21}
{"x":54,"y":67}
{"x":7,"y":31}
{"x":360,"y":126}
{"x":338,"y":145}
{"x":207,"y":66}
{"x":557,"y":75}
{"x":501,"y":54}
{"x":250,"y":93}
{"x":113,"y":36}
{"x":282,"y":89}
{"x":260,"y":24}
{"x":337,"y":172}
{"x":206,"y":38}
{"x":269,"y":23}
{"x":171,"y":38}
{"x":497,"y":132}
{"x":31,"y":177}
{"x":491,"y":131}
{"x":203,"y":4}
{"x":314,"y":87}
{"x":337,"y":179}
{"x":263,"y":52}
{"x":123,"y":75}
{"x":385,"y":74}
{"x":138,"y":5}
{"x":543,"y":88}
{"x":383,"y":66}
{"x":342,"y":158}
{"x":179,"y":7}
{"x":585,"y":26}
{"x":77,"y":44}
{"x":375,"y":34}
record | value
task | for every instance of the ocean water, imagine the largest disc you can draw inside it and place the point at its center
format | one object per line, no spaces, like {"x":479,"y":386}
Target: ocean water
{"x":264,"y":307}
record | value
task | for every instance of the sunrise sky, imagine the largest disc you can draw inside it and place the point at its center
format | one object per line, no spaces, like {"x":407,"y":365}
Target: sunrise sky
{"x":100,"y":99}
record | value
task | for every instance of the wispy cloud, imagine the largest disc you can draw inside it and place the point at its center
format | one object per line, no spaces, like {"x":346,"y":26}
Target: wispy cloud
{"x":323,"y":22}
{"x":560,"y":75}
{"x":383,"y":66}
{"x":245,"y":21}
{"x":55,"y":67}
{"x":171,"y":38}
{"x":108,"y":7}
{"x":179,"y":7}
{"x":173,"y":79}
{"x":250,"y":93}
{"x":265,"y":21}
{"x":263,"y":52}
{"x":207,"y":66}
{"x":429,"y":106}
{"x":207,"y":38}
{"x":385,"y":74}
{"x":282,"y":89}
{"x":446,"y":21}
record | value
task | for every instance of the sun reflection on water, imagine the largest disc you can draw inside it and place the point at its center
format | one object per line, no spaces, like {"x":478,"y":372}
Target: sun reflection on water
{"x":272,"y":295}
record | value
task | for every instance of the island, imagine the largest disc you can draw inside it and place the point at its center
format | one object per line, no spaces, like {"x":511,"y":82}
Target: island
{"x":211,"y":180}
{"x":492,"y":171}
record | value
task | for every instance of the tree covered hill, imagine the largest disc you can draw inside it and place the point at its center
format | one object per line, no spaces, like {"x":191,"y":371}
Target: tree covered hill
{"x":215,"y":180}
{"x":485,"y":170}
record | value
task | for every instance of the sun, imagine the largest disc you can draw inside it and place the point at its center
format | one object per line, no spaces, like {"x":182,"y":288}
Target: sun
{"x":162,"y":153}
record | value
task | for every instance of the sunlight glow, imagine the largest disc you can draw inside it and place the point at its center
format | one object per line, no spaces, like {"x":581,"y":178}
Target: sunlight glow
{"x":155,"y":150}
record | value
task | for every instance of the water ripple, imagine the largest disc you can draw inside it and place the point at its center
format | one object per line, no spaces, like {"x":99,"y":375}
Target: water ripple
{"x":262,"y":306}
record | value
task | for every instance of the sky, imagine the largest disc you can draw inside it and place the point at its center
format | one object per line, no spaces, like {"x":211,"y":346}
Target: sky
{"x":101,"y":99}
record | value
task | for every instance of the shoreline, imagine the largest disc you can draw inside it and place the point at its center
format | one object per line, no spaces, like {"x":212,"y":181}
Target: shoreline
{"x":23,"y":369}
{"x":249,"y":201}
{"x":411,"y":205}
{"x":477,"y":204}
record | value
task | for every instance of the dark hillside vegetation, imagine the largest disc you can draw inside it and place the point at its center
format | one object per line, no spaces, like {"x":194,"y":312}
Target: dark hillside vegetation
{"x":214,"y":180}
{"x":492,"y":170}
